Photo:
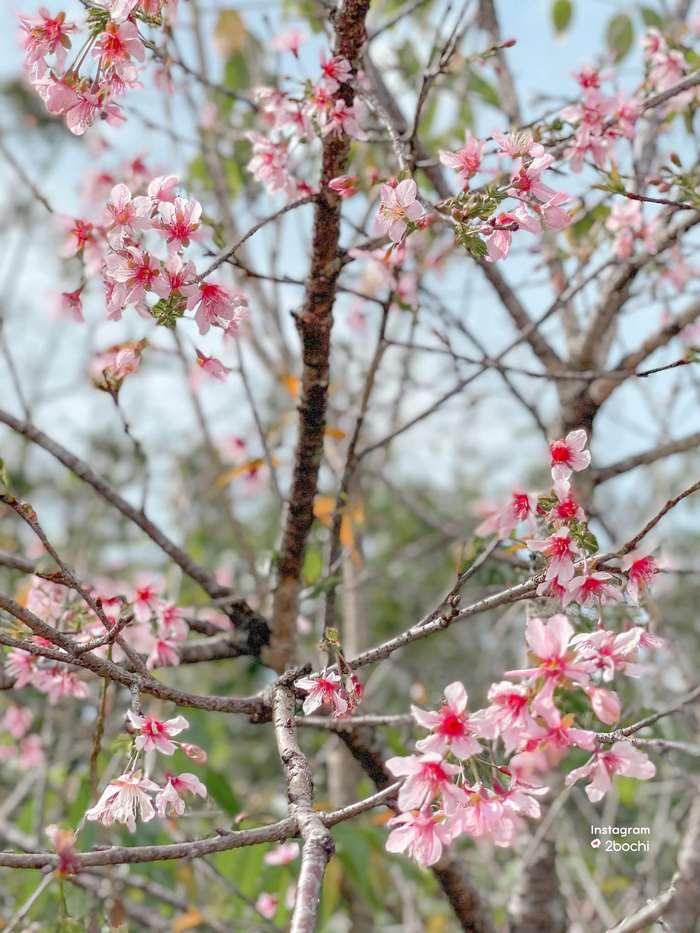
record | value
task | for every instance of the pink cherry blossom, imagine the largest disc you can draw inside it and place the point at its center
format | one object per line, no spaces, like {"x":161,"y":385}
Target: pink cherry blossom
{"x":125,"y":798}
{"x":450,"y":727}
{"x":177,"y":278}
{"x":118,"y":45}
{"x":552,"y":645}
{"x":342,"y":118}
{"x":608,"y":652}
{"x":605,"y":704}
{"x":503,"y":520}
{"x":169,"y":801}
{"x":344,"y":185}
{"x":17,"y":720}
{"x":592,"y":589}
{"x":269,"y":163}
{"x":467,"y":160}
{"x":146,"y":597}
{"x":568,"y":455}
{"x":219,"y":307}
{"x":560,"y":549}
{"x":517,"y":145}
{"x":399,"y":207}
{"x":507,"y":716}
{"x":155,"y":734}
{"x":266,"y":904}
{"x":527,"y":179}
{"x":171,"y":622}
{"x":164,"y":653}
{"x":134,"y":272}
{"x":45,"y":34}
{"x":641,"y":569}
{"x":421,"y":835}
{"x":483,"y":815}
{"x":71,"y":304}
{"x":324,"y":690}
{"x":622,"y":758}
{"x":213,"y":367}
{"x":427,"y":776}
{"x":179,"y":222}
{"x":282,"y":854}
{"x":335,"y":71}
{"x":289,"y":41}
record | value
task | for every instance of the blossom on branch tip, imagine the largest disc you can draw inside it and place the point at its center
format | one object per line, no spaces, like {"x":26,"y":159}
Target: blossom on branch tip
{"x":622,"y":759}
{"x":168,"y":799}
{"x":324,"y":690}
{"x":398,"y":208}
{"x":155,"y":734}
{"x":640,"y":569}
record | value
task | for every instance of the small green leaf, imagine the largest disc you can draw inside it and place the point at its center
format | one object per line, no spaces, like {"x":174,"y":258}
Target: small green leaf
{"x":220,"y":790}
{"x":4,"y":478}
{"x":562,"y":13}
{"x":651,"y":17}
{"x":620,"y":35}
{"x":486,"y":91}
{"x":313,"y":566}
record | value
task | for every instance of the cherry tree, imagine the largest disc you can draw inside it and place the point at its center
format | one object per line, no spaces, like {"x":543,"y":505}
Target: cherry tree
{"x":347,"y":543}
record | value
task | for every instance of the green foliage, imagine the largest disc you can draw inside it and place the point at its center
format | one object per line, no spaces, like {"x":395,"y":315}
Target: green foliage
{"x":619,"y":36}
{"x":562,"y":13}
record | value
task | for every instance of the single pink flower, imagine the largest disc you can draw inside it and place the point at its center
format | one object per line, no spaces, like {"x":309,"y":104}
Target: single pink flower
{"x":422,"y":836}
{"x":180,"y":222}
{"x":566,"y":456}
{"x":552,"y":646}
{"x":427,"y":777}
{"x":641,"y":569}
{"x":467,"y":160}
{"x":622,"y":758}
{"x":507,"y":716}
{"x":213,"y":367}
{"x":169,"y":801}
{"x":344,"y":185}
{"x":155,"y":734}
{"x":560,"y":549}
{"x":399,"y":207}
{"x":451,"y":727}
{"x":324,"y":690}
{"x":282,"y":854}
{"x":591,"y":589}
{"x":605,"y":704}
{"x":125,"y":798}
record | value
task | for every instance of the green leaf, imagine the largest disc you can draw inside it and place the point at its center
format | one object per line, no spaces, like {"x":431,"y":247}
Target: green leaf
{"x":562,"y":12}
{"x":486,"y":91}
{"x":620,"y":35}
{"x":313,"y":565}
{"x":220,"y":790}
{"x":4,"y":478}
{"x":651,"y":17}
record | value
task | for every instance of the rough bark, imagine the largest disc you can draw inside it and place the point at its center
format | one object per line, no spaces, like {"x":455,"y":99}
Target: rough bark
{"x":314,"y":324}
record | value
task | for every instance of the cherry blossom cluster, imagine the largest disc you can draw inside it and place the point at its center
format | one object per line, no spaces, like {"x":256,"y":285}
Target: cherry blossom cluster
{"x":291,"y":122}
{"x":122,"y":245}
{"x":110,"y":49}
{"x":452,"y":786}
{"x":20,"y":748}
{"x":155,"y":628}
{"x":130,"y":796}
{"x":480,"y":225}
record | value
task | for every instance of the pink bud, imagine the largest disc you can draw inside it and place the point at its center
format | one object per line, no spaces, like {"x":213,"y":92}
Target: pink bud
{"x":194,"y":752}
{"x":606,"y":704}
